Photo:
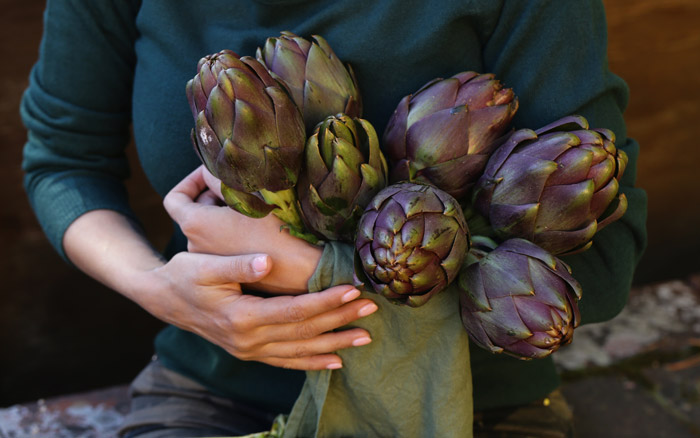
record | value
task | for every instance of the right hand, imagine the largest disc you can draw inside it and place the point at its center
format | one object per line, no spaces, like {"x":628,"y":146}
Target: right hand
{"x":213,"y":228}
{"x":201,"y":293}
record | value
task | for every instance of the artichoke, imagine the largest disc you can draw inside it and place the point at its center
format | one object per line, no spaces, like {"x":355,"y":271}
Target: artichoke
{"x":444,"y":133}
{"x":249,"y":134}
{"x":317,"y":80}
{"x":344,"y":169}
{"x":410,"y":243}
{"x":517,"y":298}
{"x":552,"y":186}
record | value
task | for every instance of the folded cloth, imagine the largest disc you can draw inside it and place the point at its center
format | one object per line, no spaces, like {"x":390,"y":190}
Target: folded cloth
{"x":413,"y":380}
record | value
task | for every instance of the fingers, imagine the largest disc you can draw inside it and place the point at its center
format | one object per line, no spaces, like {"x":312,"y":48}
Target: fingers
{"x":303,"y":336}
{"x":322,"y":344}
{"x":217,"y":270}
{"x":314,"y":354}
{"x":325,"y":322}
{"x":212,"y":182}
{"x":208,"y":198}
{"x":184,"y":193}
{"x":290,"y":309}
{"x":314,"y":363}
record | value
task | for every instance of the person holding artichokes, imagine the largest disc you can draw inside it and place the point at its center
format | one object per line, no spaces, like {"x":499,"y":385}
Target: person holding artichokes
{"x":261,"y":226}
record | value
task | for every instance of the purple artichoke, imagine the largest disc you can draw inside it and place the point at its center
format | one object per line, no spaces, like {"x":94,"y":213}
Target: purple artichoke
{"x":552,"y":186}
{"x":517,"y":298}
{"x":410,"y":243}
{"x":444,"y":133}
{"x":344,"y":169}
{"x":318,"y":81}
{"x":249,"y":133}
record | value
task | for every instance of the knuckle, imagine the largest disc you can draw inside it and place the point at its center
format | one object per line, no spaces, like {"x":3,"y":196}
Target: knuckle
{"x":243,"y":355}
{"x":294,"y":313}
{"x":244,"y":345}
{"x":347,"y":317}
{"x":187,"y":224}
{"x":306,"y":331}
{"x":237,"y":269}
{"x":168,"y":202}
{"x":239,"y":323}
{"x":300,"y":351}
{"x":200,"y":271}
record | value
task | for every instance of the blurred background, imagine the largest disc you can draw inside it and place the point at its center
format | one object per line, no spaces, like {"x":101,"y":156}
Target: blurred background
{"x":61,"y":332}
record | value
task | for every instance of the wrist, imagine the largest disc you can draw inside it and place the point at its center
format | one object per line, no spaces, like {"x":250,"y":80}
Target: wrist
{"x":110,"y":248}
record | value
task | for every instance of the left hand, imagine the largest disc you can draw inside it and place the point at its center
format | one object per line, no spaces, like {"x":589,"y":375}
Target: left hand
{"x":213,"y":228}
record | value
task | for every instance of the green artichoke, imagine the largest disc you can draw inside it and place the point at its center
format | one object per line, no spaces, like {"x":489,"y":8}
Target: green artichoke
{"x":317,"y":80}
{"x":249,"y":134}
{"x":552,"y":186}
{"x":344,"y":169}
{"x":517,"y":298}
{"x":444,"y":133}
{"x":410,"y":243}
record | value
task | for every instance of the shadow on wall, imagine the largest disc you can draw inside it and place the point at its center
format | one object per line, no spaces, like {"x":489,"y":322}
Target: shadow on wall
{"x":62,"y":332}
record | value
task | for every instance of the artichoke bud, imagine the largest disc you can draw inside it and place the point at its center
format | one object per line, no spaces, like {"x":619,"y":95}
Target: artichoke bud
{"x":554,"y":186}
{"x":411,"y":241}
{"x":444,"y":133}
{"x":344,"y":169}
{"x":249,"y":133}
{"x":518,"y":299}
{"x":208,"y":70}
{"x":315,"y":77}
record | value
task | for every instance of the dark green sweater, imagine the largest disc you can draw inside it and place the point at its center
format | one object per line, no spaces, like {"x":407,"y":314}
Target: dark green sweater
{"x":104,"y":65}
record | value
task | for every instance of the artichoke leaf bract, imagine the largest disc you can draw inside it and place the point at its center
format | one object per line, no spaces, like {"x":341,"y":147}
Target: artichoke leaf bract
{"x":411,"y":241}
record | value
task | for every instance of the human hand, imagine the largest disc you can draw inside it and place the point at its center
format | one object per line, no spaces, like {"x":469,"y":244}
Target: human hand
{"x":213,"y":228}
{"x":201,"y":293}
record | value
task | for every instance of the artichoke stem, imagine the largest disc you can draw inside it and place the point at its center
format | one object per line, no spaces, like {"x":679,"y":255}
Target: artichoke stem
{"x":287,"y":211}
{"x":303,"y":235}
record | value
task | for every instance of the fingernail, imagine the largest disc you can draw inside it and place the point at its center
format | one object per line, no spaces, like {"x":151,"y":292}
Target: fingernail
{"x":361,"y":341}
{"x":351,"y":295}
{"x":260,"y":264}
{"x":334,"y":366}
{"x":367,"y":309}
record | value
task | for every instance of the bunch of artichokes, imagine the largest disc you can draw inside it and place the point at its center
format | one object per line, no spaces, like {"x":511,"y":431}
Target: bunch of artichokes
{"x":285,"y":135}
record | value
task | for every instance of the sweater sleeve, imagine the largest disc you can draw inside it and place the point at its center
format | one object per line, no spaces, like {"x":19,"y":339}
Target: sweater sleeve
{"x":554,"y":55}
{"x":77,"y":110}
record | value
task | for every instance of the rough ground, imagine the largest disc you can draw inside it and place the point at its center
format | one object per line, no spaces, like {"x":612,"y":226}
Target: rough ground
{"x":636,"y":376}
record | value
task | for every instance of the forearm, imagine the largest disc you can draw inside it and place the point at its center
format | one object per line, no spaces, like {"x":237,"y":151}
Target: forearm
{"x":107,"y":246}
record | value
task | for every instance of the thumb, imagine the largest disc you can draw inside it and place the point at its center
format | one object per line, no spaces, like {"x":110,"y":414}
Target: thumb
{"x":247,"y":268}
